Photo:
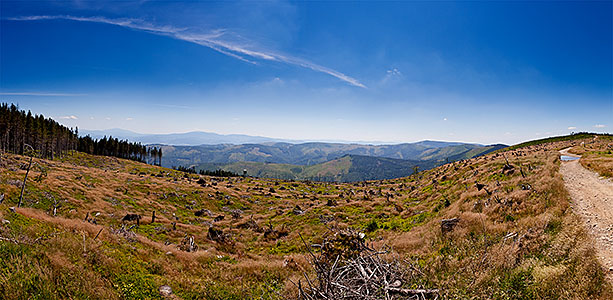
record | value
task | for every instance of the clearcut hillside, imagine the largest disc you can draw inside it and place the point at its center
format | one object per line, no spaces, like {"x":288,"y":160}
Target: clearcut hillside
{"x":234,"y":238}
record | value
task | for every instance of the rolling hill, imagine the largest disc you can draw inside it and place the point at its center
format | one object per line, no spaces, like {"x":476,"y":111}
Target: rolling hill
{"x":315,"y":153}
{"x":347,"y":168}
{"x":322,"y":161}
{"x":273,"y":158}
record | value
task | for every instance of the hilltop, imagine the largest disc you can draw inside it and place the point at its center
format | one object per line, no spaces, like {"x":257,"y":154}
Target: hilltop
{"x":234,"y":238}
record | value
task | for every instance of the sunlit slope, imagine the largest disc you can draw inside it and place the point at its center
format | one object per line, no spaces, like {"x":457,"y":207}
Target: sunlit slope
{"x":516,"y":237}
{"x":348,"y":168}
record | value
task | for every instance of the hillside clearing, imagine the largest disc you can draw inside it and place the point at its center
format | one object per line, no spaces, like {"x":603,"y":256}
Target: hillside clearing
{"x":516,"y":236}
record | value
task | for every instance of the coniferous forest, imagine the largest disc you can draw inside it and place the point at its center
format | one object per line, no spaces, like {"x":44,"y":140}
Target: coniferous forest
{"x":50,"y":138}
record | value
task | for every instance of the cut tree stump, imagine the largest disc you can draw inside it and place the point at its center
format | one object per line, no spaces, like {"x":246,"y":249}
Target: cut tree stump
{"x":447,"y":225}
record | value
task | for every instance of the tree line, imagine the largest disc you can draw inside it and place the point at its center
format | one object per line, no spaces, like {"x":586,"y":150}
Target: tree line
{"x":217,"y":173}
{"x":120,"y":148}
{"x":51,"y":139}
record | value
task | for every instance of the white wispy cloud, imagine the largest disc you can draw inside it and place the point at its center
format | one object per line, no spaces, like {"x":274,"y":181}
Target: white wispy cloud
{"x":219,"y":40}
{"x":129,"y":119}
{"x":173,"y":106}
{"x":391,"y":75}
{"x":69,"y":117}
{"x":600,"y":126}
{"x":572,"y":127}
{"x":130,"y":23}
{"x":42,"y":94}
{"x":394,"y":72}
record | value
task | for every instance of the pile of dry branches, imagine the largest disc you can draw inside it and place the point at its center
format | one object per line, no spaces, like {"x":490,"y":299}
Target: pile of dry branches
{"x":346,"y":268}
{"x":124,"y":232}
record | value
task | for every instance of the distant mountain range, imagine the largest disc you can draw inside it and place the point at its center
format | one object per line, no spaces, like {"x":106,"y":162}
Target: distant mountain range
{"x":187,"y":139}
{"x":196,"y":138}
{"x":299,"y":160}
{"x":322,"y":161}
{"x":315,"y":153}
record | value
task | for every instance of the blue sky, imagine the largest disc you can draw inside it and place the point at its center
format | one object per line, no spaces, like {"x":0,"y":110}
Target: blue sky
{"x":483,"y":72}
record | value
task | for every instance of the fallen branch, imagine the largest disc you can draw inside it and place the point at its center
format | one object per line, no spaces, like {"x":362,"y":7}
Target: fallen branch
{"x":15,"y":241}
{"x":413,"y":292}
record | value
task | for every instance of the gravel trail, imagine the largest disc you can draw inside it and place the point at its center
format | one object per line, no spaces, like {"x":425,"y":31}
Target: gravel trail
{"x":592,"y":198}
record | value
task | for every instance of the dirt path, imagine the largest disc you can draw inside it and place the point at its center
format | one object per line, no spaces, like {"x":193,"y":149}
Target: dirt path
{"x":592,"y":198}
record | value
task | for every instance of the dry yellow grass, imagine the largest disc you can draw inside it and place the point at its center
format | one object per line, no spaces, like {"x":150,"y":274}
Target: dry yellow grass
{"x":597,"y":155}
{"x":517,"y":237}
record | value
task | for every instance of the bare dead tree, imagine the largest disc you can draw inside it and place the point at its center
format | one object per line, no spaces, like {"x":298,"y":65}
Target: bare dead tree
{"x":56,"y":204}
{"x":23,"y":186}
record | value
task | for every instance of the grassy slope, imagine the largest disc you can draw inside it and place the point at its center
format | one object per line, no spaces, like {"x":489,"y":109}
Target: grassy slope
{"x":476,"y":152}
{"x":443,"y":153}
{"x":563,"y":138}
{"x":597,"y":155}
{"x":515,"y":243}
{"x":367,"y":167}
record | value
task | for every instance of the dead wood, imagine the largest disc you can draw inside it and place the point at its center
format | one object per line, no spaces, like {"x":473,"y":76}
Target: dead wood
{"x":347,"y":268}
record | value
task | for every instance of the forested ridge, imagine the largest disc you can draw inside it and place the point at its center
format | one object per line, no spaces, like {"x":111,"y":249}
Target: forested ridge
{"x":49,"y":138}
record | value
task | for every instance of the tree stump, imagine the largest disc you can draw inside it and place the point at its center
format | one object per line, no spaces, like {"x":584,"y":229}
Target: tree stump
{"x":447,"y":225}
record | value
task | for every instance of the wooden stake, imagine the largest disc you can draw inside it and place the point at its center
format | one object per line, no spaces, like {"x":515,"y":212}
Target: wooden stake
{"x":98,"y":234}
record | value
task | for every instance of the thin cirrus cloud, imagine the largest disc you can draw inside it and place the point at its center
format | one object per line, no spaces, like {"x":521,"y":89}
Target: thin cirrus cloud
{"x":69,"y":118}
{"x":173,"y":106}
{"x":600,"y":126}
{"x":42,"y":94}
{"x":218,"y":40}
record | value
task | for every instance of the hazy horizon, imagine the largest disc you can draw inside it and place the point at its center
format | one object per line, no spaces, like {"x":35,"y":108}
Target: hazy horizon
{"x":82,"y":131}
